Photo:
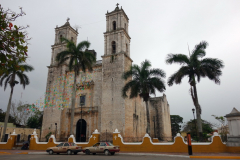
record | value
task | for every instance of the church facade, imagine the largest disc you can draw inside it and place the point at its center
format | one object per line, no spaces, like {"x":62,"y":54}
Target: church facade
{"x":102,"y":105}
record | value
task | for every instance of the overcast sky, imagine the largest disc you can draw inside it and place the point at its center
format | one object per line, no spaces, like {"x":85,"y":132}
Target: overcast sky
{"x":156,"y":28}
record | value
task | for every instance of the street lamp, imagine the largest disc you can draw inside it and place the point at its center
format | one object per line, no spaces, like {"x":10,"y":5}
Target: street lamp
{"x":193,"y":110}
{"x":82,"y":102}
{"x":1,"y":134}
{"x":55,"y":130}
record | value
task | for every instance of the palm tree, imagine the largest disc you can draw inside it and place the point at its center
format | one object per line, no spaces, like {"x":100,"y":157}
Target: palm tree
{"x":194,"y":68}
{"x":144,"y":81}
{"x":17,"y":69}
{"x":79,"y":58}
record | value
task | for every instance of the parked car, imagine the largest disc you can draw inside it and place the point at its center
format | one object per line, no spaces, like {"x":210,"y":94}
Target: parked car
{"x":66,"y":147}
{"x":102,"y":147}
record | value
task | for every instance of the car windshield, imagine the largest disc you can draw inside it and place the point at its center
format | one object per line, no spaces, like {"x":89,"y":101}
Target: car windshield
{"x":61,"y":144}
{"x":73,"y":144}
{"x":109,"y":143}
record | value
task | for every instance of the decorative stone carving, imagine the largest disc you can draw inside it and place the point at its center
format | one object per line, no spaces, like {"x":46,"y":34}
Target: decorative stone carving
{"x":14,"y":133}
{"x":34,"y":132}
{"x":96,"y":132}
{"x":116,"y":131}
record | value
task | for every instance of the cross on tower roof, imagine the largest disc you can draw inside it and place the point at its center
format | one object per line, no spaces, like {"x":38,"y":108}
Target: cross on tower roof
{"x":117,"y":4}
{"x":68,"y":19}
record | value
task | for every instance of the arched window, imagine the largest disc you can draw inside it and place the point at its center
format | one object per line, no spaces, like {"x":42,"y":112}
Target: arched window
{"x":60,"y":39}
{"x":71,"y":38}
{"x":113,"y":47}
{"x":114,"y":25}
{"x":126,"y":48}
{"x":125,"y":26}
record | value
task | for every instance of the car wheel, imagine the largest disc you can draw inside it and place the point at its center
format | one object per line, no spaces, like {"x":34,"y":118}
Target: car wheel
{"x":51,"y":152}
{"x":94,"y":153}
{"x":75,"y":152}
{"x":87,"y":152}
{"x":106,"y":152}
{"x":112,"y":153}
{"x":69,"y":152}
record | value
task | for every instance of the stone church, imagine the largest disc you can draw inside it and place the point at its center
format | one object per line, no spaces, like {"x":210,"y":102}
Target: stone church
{"x":103,"y":107}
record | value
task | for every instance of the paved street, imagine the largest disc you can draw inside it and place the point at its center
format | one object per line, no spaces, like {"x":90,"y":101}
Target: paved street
{"x":89,"y":157}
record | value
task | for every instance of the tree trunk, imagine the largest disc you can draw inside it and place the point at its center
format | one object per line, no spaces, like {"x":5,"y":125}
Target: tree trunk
{"x":198,"y":113}
{"x":73,"y":103}
{"x":7,"y":113}
{"x":148,"y":118}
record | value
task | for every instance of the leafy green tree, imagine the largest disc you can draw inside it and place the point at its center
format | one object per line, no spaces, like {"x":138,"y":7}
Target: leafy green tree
{"x":10,"y":78}
{"x":35,"y":121}
{"x":13,"y":40}
{"x":143,"y":81}
{"x":10,"y":119}
{"x":223,"y":127}
{"x":78,"y":58}
{"x":176,"y":120}
{"x":190,"y":126}
{"x":195,"y":67}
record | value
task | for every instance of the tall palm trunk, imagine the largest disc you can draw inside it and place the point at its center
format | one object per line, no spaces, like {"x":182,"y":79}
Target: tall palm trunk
{"x":7,"y":113}
{"x":198,"y":112}
{"x":148,"y":118}
{"x":73,"y":102}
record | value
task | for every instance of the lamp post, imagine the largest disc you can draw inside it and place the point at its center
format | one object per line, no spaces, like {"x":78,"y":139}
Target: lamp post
{"x":193,"y":110}
{"x":82,"y":102}
{"x":56,"y":130}
{"x":1,"y":134}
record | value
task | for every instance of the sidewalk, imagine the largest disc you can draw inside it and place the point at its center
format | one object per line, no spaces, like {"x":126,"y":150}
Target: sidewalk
{"x":195,"y":155}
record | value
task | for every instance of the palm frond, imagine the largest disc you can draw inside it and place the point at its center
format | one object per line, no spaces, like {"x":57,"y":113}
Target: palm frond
{"x":7,"y":81}
{"x":2,"y":78}
{"x":145,"y":65}
{"x":130,"y":84}
{"x":178,"y":76}
{"x":199,"y":50}
{"x":27,"y":67}
{"x":157,"y":72}
{"x":83,"y":45}
{"x":177,"y":58}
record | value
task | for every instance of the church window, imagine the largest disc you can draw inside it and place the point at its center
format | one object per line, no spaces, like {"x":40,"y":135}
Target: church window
{"x":60,"y":38}
{"x":126,"y":48}
{"x":82,"y":100}
{"x":113,"y":47}
{"x":125,"y":26}
{"x":114,"y":25}
{"x":71,"y":38}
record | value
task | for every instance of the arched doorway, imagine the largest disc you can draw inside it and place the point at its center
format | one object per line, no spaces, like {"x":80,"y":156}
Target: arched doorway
{"x":81,"y":137}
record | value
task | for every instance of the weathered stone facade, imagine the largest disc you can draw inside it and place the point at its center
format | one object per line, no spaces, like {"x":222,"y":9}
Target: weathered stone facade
{"x":104,"y":108}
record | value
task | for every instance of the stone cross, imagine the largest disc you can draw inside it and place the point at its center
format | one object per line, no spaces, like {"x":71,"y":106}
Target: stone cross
{"x":68,"y":19}
{"x":117,"y":4}
{"x":115,"y":137}
{"x":94,"y":138}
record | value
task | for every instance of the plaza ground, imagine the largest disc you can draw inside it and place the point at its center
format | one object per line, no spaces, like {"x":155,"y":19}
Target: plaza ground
{"x":32,"y":154}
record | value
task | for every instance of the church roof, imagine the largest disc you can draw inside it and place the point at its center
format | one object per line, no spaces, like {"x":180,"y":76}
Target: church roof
{"x":118,"y":10}
{"x":234,"y":113}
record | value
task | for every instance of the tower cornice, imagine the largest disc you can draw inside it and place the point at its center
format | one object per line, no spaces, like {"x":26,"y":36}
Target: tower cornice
{"x":116,"y":54}
{"x":119,"y":30}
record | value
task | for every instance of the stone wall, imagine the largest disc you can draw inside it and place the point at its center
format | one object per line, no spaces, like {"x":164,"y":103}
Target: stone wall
{"x":160,"y":123}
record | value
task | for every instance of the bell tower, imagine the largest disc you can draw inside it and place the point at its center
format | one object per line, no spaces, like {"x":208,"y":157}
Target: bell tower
{"x":52,"y":116}
{"x":115,"y":110}
{"x":65,"y":31}
{"x":116,"y":37}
